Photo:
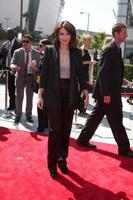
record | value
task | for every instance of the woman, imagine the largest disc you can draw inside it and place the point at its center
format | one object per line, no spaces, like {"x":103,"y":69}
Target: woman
{"x":107,"y":41}
{"x":42,"y":114}
{"x":85,"y":54}
{"x":130,"y":98}
{"x":60,"y":76}
{"x":87,"y":66}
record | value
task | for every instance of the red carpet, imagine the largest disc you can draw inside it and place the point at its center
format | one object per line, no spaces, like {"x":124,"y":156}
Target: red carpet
{"x":94,"y":174}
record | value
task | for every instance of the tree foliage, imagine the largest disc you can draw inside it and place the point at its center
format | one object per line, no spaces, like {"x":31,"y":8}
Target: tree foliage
{"x":2,"y":32}
{"x":97,"y":40}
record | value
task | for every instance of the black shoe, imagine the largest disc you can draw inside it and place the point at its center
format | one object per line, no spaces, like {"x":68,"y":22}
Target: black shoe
{"x":53,"y":172}
{"x":63,"y":167}
{"x":88,"y":145}
{"x":11,"y":108}
{"x":39,"y":130}
{"x":83,"y":114}
{"x":17,"y":120}
{"x":29,"y":119}
{"x":127,"y":153}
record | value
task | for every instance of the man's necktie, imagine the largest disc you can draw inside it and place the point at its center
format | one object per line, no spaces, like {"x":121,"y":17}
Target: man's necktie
{"x":27,"y":59}
{"x":120,"y":51}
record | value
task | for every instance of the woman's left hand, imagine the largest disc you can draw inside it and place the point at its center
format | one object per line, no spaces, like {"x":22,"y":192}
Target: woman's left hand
{"x":40,"y":104}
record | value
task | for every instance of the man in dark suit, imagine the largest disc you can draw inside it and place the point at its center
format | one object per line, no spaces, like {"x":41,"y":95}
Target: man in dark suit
{"x":8,"y":48}
{"x":107,"y":93}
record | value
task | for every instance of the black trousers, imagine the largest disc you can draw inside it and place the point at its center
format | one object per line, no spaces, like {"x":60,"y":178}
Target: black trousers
{"x":11,"y":90}
{"x":114,"y":116}
{"x":42,"y":119}
{"x":60,"y":122}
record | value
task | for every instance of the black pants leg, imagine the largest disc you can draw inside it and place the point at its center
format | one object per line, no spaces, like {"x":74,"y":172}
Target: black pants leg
{"x":115,"y":118}
{"x":42,"y":119}
{"x":11,"y":90}
{"x":91,"y":124}
{"x":60,"y":122}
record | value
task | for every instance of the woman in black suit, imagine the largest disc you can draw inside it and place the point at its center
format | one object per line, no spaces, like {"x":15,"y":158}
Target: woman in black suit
{"x":61,"y":74}
{"x":42,"y":114}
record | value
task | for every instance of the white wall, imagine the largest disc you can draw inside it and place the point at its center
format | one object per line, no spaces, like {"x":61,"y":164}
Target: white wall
{"x":47,"y":14}
{"x":10,"y":9}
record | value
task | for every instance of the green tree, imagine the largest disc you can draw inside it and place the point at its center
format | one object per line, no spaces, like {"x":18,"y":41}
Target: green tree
{"x":97,"y":40}
{"x":2,"y":32}
{"x":79,"y":38}
{"x":36,"y":36}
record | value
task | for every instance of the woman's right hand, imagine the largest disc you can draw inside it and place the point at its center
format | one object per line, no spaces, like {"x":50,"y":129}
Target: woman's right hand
{"x":40,"y":103}
{"x":40,"y":98}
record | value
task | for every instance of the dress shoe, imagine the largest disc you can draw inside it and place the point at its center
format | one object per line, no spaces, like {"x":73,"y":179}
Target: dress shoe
{"x":88,"y":145}
{"x":17,"y":120}
{"x":39,"y":130}
{"x":83,"y":114}
{"x":127,"y":153}
{"x":53,"y":172}
{"x":11,"y":108}
{"x":63,"y":167}
{"x":29,"y":119}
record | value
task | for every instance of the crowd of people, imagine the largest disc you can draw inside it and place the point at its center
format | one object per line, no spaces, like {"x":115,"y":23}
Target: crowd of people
{"x":59,"y":72}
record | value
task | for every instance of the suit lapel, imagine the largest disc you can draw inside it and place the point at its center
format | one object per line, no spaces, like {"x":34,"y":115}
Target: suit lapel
{"x":118,"y":50}
{"x":56,"y":57}
{"x":72,"y":64}
{"x":121,"y":60}
{"x":23,"y":56}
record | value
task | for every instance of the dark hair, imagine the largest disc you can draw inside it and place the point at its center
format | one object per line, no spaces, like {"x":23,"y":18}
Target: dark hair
{"x":28,"y":36}
{"x":118,"y":28}
{"x":45,"y":42}
{"x":70,"y":29}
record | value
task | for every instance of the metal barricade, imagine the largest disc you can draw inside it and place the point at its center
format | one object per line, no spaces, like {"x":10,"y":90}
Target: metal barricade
{"x":75,"y":124}
{"x":6,"y":114}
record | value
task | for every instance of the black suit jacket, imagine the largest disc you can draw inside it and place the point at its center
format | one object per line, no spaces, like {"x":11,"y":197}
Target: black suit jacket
{"x":4,"y":51}
{"x":110,"y":75}
{"x":50,"y":77}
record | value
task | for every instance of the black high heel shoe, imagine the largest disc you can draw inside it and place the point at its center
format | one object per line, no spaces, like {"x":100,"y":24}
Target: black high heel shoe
{"x":53,"y":172}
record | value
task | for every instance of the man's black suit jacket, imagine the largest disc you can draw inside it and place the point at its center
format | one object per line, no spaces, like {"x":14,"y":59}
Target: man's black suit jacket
{"x":110,"y":75}
{"x":50,"y":77}
{"x":4,"y":51}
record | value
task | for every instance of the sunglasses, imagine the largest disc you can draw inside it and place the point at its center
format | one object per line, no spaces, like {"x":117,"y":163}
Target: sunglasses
{"x":26,"y":41}
{"x":41,"y":45}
